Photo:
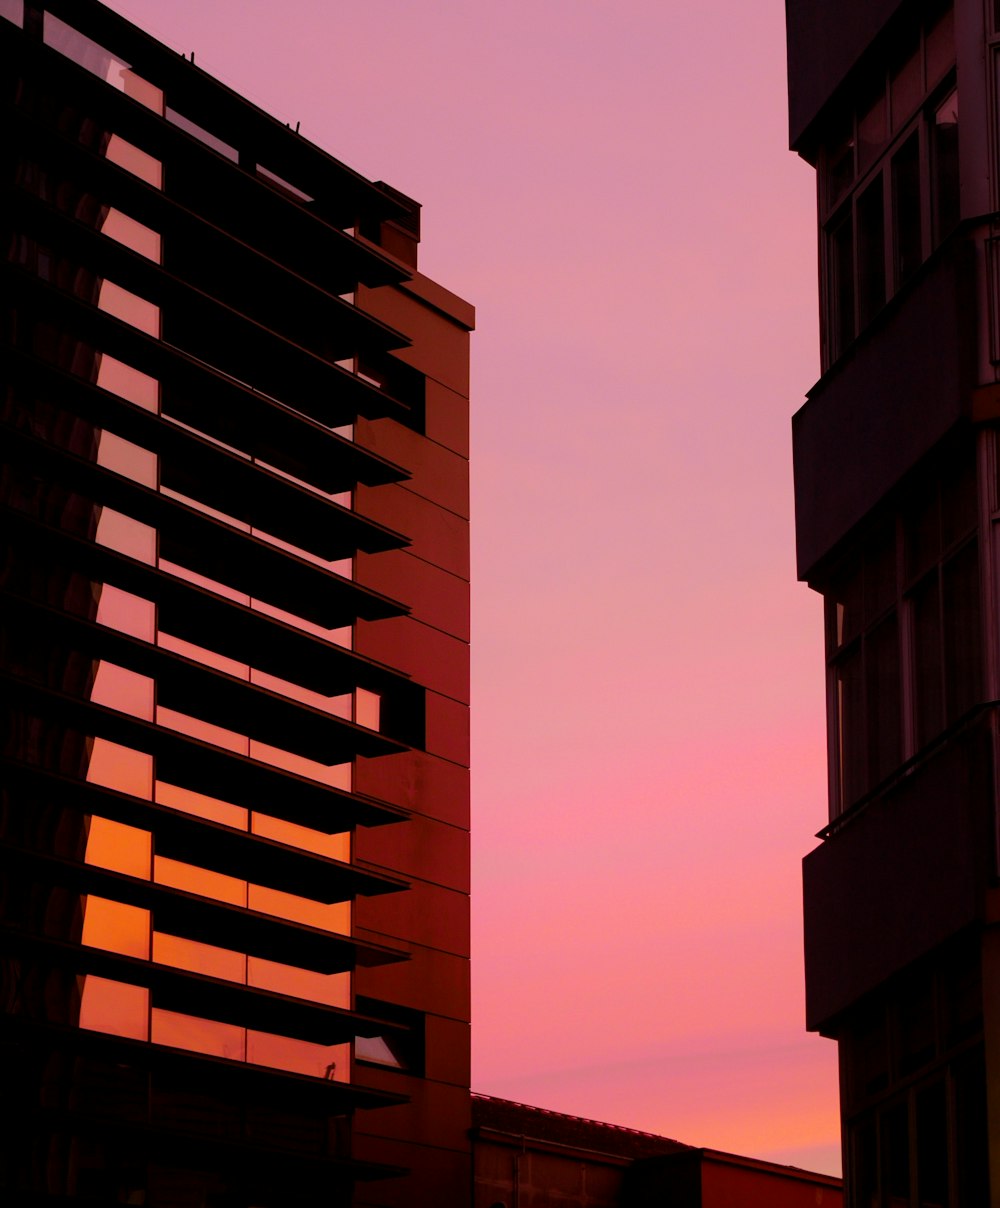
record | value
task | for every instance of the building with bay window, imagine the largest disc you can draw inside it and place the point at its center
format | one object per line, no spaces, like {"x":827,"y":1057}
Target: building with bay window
{"x":897,"y":497}
{"x":234,"y":826}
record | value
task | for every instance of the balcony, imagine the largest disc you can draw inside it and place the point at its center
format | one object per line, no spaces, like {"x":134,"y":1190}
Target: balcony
{"x":902,"y":873}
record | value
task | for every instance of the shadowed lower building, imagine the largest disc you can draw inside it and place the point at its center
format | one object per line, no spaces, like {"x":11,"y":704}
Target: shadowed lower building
{"x":527,"y":1157}
{"x":897,"y":499}
{"x":233,"y":837}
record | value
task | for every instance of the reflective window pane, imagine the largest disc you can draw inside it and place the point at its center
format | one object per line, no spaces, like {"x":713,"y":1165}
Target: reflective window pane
{"x":133,"y":159}
{"x":114,"y":1007}
{"x":126,"y":613}
{"x":128,"y":383}
{"x":130,"y":308}
{"x":199,"y":1035}
{"x":118,"y":847}
{"x":204,"y":807}
{"x":945,"y":167}
{"x":124,"y":690}
{"x":199,"y":880}
{"x":332,"y":1062}
{"x":132,"y":234}
{"x":127,"y":536}
{"x":121,"y":768}
{"x":199,"y":958}
{"x":127,"y":459}
{"x":907,"y":225}
{"x":116,"y":927}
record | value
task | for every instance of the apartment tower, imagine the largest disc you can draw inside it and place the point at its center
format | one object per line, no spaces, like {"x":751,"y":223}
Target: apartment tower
{"x":234,"y":823}
{"x":897,"y":498}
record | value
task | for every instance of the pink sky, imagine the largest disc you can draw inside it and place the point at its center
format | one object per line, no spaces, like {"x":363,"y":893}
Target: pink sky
{"x":609,"y":185}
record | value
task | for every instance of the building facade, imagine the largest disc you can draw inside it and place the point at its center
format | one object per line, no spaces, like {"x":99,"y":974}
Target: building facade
{"x":897,"y":501}
{"x":526,"y":1157}
{"x":234,"y":826}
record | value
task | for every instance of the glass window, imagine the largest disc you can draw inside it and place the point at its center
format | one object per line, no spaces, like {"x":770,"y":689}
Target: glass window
{"x":962,"y":640}
{"x":133,"y":160}
{"x":203,"y":135}
{"x":199,"y":880}
{"x":971,"y":1130}
{"x":207,"y":731}
{"x":871,"y":253}
{"x":124,"y":690}
{"x":130,"y":308}
{"x":83,"y":51}
{"x":895,"y":1137}
{"x":182,"y":953}
{"x":127,"y":459}
{"x":336,"y":706}
{"x":203,"y":806}
{"x":939,"y":42}
{"x":334,"y":989}
{"x":367,"y":708}
{"x":126,"y":613}
{"x":932,"y":1147}
{"x":944,"y":166}
{"x":127,"y":536}
{"x":880,"y":569}
{"x":199,"y":1035}
{"x":131,"y":234}
{"x":119,"y":848}
{"x":850,"y":725}
{"x":928,"y":686}
{"x":841,"y":270}
{"x":906,"y":85}
{"x":375,"y":1050}
{"x":906,"y":221}
{"x":882,"y":693}
{"x":840,"y":161}
{"x":128,"y":383}
{"x":114,"y":1007}
{"x":872,"y":127}
{"x":330,"y":916}
{"x":864,"y":1157}
{"x":332,"y":1062}
{"x":13,"y":10}
{"x":116,"y":927}
{"x":959,"y":500}
{"x":121,"y":768}
{"x":100,"y":62}
{"x":282,"y":184}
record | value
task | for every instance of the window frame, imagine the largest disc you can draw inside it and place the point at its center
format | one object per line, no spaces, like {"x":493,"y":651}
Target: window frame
{"x":840,"y":193}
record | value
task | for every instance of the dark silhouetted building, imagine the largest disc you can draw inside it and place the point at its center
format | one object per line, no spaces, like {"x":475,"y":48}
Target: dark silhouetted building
{"x":233,"y":834}
{"x":897,"y":500}
{"x":526,"y":1157}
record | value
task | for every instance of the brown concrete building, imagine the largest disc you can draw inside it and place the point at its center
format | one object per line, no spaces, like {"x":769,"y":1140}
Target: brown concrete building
{"x":235,"y":612}
{"x":897,"y":498}
{"x":526,"y":1157}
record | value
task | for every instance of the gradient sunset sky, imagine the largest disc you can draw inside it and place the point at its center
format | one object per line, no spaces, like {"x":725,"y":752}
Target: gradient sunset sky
{"x":609,"y":185}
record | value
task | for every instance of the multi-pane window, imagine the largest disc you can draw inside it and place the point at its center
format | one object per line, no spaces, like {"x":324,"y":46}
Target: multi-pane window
{"x":904,"y":629}
{"x":888,"y":179}
{"x":913,"y":1079}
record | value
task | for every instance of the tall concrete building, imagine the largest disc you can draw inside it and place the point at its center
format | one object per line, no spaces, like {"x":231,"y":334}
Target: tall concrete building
{"x":897,"y":500}
{"x":234,"y":826}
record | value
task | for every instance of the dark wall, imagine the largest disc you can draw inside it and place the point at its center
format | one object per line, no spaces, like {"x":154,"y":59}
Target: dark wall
{"x":430,"y":1134}
{"x":825,"y":39}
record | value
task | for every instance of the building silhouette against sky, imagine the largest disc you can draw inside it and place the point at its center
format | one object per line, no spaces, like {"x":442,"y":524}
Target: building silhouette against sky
{"x":235,"y":662}
{"x":897,"y":499}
